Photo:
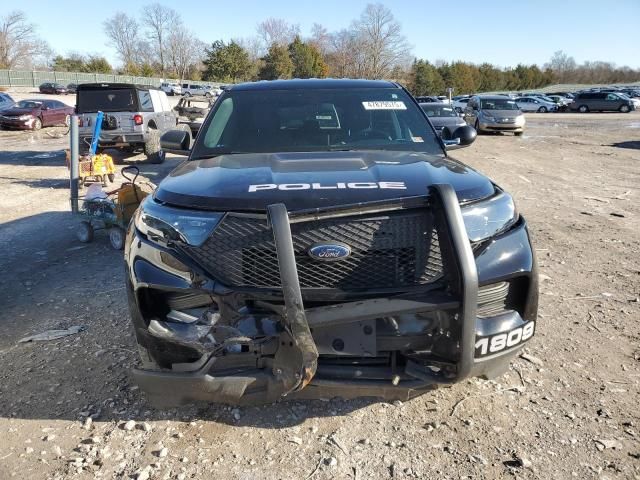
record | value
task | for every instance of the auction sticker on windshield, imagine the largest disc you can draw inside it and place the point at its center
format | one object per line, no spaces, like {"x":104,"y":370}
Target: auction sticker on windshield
{"x":384,"y":105}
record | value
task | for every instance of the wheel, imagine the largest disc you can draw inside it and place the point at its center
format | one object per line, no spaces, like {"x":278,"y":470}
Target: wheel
{"x":518,"y":134}
{"x":152,"y":147}
{"x":67,"y":121}
{"x":583,"y":109}
{"x":112,"y":177}
{"x":37,"y":124}
{"x":542,"y":109}
{"x":208,"y":94}
{"x":116,"y":238}
{"x":625,"y":108}
{"x":187,"y":94}
{"x":477,"y":127}
{"x":85,"y":232}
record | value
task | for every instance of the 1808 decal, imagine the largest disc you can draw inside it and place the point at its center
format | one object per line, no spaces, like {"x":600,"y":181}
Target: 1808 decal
{"x":495,"y":344}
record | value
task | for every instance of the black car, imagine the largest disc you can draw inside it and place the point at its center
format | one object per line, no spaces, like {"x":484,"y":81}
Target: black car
{"x":53,"y":88}
{"x":320,"y":241}
{"x":72,"y":87}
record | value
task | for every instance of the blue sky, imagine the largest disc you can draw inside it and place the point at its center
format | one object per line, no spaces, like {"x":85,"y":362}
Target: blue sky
{"x":502,"y":32}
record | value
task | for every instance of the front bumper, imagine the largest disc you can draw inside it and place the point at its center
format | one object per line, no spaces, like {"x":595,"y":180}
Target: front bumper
{"x":501,"y":127}
{"x":15,"y":124}
{"x":331,"y":349}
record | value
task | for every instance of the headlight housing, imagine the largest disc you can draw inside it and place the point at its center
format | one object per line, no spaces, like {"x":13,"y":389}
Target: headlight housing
{"x":489,"y":217}
{"x":164,"y":224}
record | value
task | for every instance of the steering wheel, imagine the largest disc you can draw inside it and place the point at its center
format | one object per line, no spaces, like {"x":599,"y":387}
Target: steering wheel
{"x":371,"y":133}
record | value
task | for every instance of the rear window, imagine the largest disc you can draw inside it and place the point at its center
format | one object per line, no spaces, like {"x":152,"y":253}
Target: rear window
{"x":108,"y":100}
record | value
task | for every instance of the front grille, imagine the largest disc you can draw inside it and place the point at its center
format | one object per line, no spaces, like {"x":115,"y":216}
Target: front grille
{"x":396,"y":249}
{"x":492,"y":299}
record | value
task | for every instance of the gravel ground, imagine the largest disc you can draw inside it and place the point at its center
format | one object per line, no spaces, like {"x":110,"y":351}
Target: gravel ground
{"x":570,"y":409}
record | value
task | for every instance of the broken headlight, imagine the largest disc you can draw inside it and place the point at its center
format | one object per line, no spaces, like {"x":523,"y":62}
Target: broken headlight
{"x":164,"y":224}
{"x":489,"y":217}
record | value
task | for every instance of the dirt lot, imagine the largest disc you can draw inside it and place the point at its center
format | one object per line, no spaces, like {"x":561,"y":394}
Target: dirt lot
{"x":68,"y":408}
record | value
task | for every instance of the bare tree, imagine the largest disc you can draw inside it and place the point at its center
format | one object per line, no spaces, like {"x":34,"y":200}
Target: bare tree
{"x":320,"y":38}
{"x":122,"y":32}
{"x":19,"y":44}
{"x":382,"y":39}
{"x":277,"y":31}
{"x":159,"y":20}
{"x":183,"y":50}
{"x":562,"y":65}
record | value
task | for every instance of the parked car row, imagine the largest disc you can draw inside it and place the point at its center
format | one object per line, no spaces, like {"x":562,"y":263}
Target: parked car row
{"x":190,"y":89}
{"x":592,"y":100}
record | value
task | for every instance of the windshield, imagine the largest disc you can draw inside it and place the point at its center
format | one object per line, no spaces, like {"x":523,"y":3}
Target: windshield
{"x":435,"y":110}
{"x":107,"y":100}
{"x":498,"y":104}
{"x":28,"y":104}
{"x":271,"y":121}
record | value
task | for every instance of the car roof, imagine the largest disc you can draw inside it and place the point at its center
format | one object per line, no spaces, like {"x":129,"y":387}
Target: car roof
{"x":100,"y":86}
{"x":312,"y":83}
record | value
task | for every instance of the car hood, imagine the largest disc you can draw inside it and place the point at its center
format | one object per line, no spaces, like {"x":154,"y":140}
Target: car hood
{"x":16,"y":112}
{"x":251,"y":182}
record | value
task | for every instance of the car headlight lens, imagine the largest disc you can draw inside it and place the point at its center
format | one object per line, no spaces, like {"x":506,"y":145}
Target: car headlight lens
{"x":165,"y":224}
{"x":489,"y":217}
{"x":25,"y":117}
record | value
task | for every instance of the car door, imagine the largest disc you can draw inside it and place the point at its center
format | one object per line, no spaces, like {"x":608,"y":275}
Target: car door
{"x":612,"y":102}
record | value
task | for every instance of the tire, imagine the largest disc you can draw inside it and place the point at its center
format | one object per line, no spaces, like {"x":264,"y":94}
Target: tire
{"x":85,"y":232}
{"x":37,"y":124}
{"x":116,"y":238}
{"x":583,"y":109}
{"x":187,"y":94}
{"x":542,"y":109}
{"x":624,"y":109}
{"x":477,"y":127}
{"x":67,"y":121}
{"x":518,"y":134}
{"x":152,"y":147}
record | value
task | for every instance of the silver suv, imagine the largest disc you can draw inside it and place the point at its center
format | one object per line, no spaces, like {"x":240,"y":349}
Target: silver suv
{"x":135,"y":117}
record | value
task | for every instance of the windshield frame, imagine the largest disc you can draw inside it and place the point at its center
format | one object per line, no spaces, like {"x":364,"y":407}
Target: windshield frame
{"x":199,"y":151}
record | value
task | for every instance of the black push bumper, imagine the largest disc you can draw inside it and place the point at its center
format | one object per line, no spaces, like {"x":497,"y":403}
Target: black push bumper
{"x":289,"y":364}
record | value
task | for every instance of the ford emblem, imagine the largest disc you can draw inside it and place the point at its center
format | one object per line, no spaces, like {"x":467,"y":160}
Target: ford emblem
{"x":329,"y":252}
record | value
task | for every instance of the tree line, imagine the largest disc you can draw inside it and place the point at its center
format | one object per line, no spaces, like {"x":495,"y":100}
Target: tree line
{"x":157,"y":42}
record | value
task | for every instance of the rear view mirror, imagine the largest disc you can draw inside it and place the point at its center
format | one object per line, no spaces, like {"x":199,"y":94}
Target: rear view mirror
{"x":176,"y":141}
{"x":458,"y":138}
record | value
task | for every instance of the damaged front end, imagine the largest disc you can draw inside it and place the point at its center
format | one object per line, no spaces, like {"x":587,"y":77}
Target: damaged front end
{"x":248,"y":318}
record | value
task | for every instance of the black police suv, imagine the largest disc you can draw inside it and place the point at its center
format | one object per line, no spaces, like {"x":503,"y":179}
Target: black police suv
{"x":319,"y":241}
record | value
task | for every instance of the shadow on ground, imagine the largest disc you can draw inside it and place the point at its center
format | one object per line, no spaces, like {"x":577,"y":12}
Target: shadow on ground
{"x":632,"y":144}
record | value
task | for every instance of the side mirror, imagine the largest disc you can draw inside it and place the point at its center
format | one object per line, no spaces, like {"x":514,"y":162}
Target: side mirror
{"x":176,"y":141}
{"x":458,"y":138}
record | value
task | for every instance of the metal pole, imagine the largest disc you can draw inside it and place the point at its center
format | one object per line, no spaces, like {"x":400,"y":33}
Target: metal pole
{"x":75,"y":171}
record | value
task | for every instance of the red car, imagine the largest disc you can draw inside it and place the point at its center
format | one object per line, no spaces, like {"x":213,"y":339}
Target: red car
{"x":35,"y":114}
